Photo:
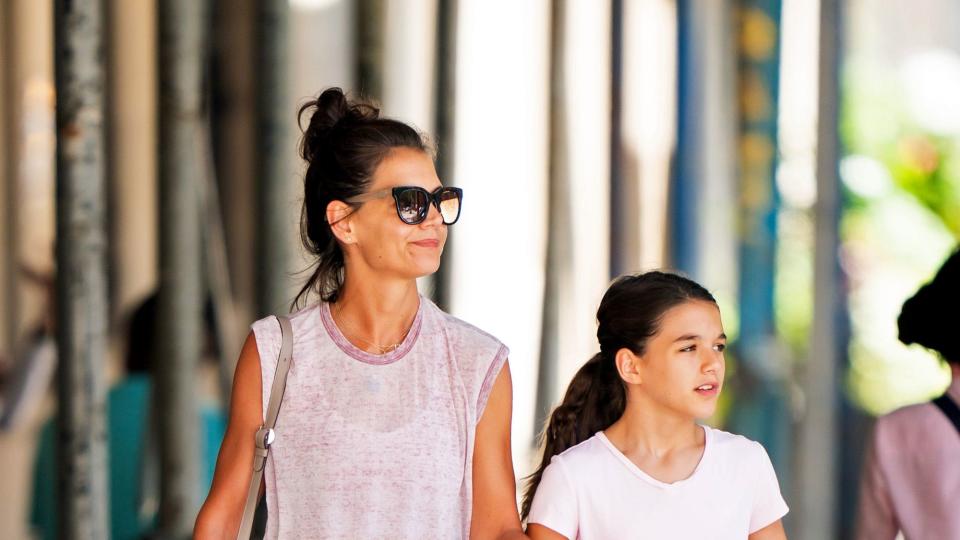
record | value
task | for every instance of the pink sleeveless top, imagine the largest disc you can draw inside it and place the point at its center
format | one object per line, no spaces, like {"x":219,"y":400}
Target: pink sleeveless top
{"x":371,"y":446}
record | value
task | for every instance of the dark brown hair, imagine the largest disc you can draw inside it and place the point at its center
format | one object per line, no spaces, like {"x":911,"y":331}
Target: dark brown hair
{"x":923,"y":318}
{"x":629,"y":315}
{"x":343,"y":144}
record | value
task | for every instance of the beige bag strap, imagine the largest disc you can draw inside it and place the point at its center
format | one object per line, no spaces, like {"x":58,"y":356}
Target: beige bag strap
{"x":265,"y":435}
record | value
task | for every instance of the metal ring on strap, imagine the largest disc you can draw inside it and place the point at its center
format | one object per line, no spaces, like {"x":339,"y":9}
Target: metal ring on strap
{"x":265,"y":437}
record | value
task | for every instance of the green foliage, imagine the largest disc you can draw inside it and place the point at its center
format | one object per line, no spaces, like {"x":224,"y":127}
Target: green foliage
{"x":894,"y":238}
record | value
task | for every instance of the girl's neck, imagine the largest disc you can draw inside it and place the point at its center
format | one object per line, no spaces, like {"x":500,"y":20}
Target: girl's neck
{"x":646,"y":428}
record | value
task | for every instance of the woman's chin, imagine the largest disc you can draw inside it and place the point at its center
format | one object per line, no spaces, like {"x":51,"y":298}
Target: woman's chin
{"x":422,"y":268}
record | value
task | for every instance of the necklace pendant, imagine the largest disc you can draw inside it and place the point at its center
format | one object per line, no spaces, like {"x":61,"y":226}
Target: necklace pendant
{"x":388,"y":348}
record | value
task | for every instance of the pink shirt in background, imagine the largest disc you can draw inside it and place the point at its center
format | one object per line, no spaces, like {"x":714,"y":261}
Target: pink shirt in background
{"x":371,"y":446}
{"x":911,"y":479}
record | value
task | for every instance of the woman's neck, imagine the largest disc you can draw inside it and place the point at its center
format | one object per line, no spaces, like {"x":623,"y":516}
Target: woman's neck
{"x":376,"y":311}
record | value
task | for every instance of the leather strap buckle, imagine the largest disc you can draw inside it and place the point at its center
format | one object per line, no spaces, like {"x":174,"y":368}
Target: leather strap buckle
{"x":264,"y":438}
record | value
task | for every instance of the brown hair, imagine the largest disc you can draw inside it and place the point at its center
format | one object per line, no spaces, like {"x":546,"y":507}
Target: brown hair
{"x":922,"y":320}
{"x":343,"y":144}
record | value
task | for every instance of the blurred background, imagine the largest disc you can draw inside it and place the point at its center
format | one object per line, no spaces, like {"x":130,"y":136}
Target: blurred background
{"x":799,"y":158}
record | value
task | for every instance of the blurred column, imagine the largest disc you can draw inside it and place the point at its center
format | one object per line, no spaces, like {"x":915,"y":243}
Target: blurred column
{"x":818,"y":452}
{"x":576,"y":271}
{"x":28,"y":216}
{"x":132,"y":167}
{"x":6,"y":189}
{"x":502,"y":156}
{"x":444,"y":123}
{"x":82,"y":273}
{"x":275,"y":157}
{"x":30,"y":132}
{"x":11,"y":92}
{"x":181,"y":71}
{"x":371,"y":25}
{"x":233,"y":121}
{"x":558,"y":259}
{"x":761,"y":406}
{"x":647,"y":133}
{"x":409,"y":53}
{"x":702,"y":187}
{"x":323,"y":47}
{"x":623,"y":237}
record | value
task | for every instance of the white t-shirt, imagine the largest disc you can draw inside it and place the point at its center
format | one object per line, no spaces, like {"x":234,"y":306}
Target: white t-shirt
{"x":594,"y":492}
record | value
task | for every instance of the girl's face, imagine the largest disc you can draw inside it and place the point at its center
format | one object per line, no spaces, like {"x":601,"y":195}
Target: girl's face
{"x":682,"y":367}
{"x":376,"y":234}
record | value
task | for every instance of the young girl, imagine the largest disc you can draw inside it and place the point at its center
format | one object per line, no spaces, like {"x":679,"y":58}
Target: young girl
{"x":624,"y":456}
{"x":395,"y":420}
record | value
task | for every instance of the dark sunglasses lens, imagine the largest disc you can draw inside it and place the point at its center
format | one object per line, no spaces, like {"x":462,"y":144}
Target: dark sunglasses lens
{"x":412,"y":205}
{"x":449,"y":205}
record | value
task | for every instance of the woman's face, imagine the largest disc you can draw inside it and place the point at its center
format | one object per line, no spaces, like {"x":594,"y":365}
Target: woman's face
{"x":386,"y":244}
{"x":682,"y":367}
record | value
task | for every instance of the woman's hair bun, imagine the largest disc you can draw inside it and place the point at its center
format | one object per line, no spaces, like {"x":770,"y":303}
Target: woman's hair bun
{"x":328,"y":111}
{"x":926,"y":318}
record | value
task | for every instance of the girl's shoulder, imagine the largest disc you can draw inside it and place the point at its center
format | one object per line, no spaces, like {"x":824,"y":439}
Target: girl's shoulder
{"x":584,"y":454}
{"x":727,"y":441}
{"x":732,"y":448}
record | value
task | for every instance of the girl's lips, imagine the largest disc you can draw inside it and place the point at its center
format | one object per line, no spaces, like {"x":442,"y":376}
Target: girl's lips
{"x":710,"y":392}
{"x":427,"y":243}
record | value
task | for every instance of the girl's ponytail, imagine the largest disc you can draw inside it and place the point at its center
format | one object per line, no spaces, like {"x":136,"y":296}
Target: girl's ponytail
{"x":594,"y":400}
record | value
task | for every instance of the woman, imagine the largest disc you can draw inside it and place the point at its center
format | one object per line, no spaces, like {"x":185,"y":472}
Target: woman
{"x":396,"y":417}
{"x":624,"y":456}
{"x":911,"y":478}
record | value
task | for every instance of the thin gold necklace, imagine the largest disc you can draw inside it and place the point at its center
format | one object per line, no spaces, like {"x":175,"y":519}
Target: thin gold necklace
{"x":353,"y":333}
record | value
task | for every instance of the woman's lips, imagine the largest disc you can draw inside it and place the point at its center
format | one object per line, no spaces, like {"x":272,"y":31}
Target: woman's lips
{"x":427,"y":243}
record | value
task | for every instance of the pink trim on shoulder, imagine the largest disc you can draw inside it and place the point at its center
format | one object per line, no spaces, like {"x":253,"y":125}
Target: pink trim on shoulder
{"x":492,"y":373}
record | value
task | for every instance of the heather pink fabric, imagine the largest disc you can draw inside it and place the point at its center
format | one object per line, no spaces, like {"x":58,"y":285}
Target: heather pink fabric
{"x":911,"y":481}
{"x":371,"y":446}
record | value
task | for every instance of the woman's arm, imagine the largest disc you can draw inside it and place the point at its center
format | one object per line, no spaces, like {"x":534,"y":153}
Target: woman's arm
{"x":495,"y":513}
{"x":221,"y":513}
{"x":773,"y":531}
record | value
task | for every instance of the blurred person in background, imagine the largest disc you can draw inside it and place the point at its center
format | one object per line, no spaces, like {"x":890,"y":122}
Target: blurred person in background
{"x":911,"y":477}
{"x":132,"y":439}
{"x":395,"y":421}
{"x":28,"y":380}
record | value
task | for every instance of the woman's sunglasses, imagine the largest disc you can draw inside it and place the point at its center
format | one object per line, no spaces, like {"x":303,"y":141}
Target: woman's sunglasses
{"x":413,"y":203}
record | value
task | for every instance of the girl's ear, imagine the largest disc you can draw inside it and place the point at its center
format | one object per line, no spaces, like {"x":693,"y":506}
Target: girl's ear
{"x":628,"y":366}
{"x":338,"y":216}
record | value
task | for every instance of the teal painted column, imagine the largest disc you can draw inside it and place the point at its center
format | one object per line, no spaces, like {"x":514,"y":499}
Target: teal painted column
{"x":760,"y":408}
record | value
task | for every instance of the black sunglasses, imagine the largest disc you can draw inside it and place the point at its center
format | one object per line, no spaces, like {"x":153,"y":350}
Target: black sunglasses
{"x":413,"y":203}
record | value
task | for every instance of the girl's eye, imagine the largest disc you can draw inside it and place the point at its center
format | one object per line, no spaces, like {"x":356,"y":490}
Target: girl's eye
{"x":720,"y":347}
{"x":691,"y":348}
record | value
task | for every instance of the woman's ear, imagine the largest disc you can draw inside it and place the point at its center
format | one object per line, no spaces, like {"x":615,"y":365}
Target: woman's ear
{"x":338,"y":216}
{"x":628,"y":366}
